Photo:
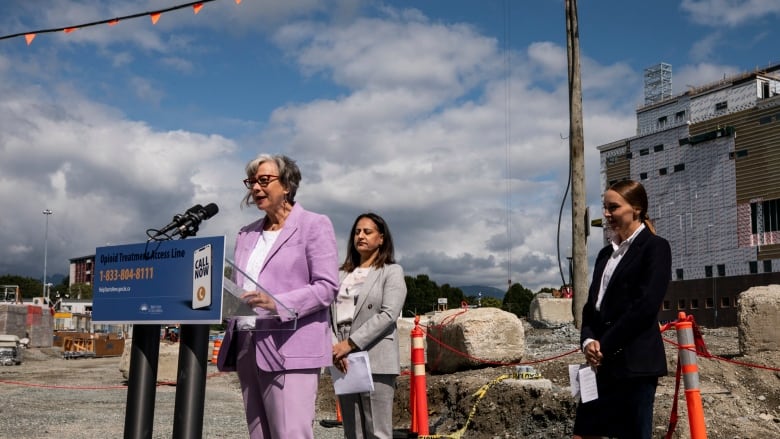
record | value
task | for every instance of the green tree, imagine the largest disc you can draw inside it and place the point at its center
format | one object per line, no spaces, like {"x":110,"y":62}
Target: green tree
{"x":517,"y":300}
{"x":422,"y":295}
{"x":491,"y":302}
{"x":28,"y":286}
{"x":80,"y":291}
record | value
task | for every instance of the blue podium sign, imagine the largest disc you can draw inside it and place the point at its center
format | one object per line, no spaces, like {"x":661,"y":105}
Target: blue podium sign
{"x":159,"y":282}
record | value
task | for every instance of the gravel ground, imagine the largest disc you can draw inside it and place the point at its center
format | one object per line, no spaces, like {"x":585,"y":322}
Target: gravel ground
{"x":49,"y":397}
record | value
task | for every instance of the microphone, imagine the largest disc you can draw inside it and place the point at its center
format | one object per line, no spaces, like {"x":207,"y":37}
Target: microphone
{"x":186,"y":224}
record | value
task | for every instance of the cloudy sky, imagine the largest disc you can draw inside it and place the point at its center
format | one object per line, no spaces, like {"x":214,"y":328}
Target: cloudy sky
{"x":446,"y":117}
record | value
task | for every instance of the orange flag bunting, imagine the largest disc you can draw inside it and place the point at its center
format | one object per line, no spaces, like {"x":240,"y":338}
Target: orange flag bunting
{"x":154,"y":15}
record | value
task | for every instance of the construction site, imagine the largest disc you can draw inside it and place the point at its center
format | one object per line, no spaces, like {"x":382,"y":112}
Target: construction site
{"x":706,"y":158}
{"x":740,"y":393}
{"x":33,"y":325}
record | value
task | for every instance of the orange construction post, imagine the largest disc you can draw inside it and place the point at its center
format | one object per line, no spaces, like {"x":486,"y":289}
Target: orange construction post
{"x":215,"y":351}
{"x":417,"y":384}
{"x":690,"y":371}
{"x":329,"y":423}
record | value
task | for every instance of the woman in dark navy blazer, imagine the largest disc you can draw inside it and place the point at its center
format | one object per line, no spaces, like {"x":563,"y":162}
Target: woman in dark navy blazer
{"x":620,"y":333}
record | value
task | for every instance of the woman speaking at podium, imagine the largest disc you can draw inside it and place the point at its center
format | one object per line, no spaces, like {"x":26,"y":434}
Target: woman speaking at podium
{"x":291,"y":254}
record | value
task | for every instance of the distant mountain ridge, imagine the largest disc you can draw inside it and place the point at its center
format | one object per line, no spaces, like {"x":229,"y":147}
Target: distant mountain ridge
{"x":474,"y":290}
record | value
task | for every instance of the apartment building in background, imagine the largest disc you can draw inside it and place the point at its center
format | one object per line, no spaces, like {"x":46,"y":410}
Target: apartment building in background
{"x":710,"y":161}
{"x":81,"y":269}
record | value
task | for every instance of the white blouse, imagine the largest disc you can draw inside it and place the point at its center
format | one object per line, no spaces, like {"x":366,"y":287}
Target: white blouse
{"x":618,"y":251}
{"x":253,"y":266}
{"x":346,"y":301}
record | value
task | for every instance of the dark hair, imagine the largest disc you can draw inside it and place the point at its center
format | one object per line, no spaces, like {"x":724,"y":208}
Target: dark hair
{"x":289,"y":175}
{"x":633,"y":192}
{"x":386,"y":251}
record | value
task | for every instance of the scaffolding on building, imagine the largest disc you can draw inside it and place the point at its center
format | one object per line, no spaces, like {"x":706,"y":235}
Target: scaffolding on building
{"x":658,"y":83}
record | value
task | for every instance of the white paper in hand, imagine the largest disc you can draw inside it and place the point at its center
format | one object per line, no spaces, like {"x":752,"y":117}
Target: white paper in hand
{"x":574,"y":379}
{"x":588,"y":388}
{"x":358,"y":376}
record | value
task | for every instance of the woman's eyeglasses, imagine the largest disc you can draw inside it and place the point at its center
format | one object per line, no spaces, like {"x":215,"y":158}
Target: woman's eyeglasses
{"x":263,"y":181}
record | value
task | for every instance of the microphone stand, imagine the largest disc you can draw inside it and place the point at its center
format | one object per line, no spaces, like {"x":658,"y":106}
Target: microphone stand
{"x":190,"y":378}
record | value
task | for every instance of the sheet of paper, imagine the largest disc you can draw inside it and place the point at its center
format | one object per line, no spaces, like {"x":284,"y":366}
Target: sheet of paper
{"x":358,"y":376}
{"x":232,"y":305}
{"x":574,"y":379}
{"x":231,"y":287}
{"x":588,"y":388}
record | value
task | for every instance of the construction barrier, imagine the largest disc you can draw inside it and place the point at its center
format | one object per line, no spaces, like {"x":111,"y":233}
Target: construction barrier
{"x":690,"y":373}
{"x":215,"y":351}
{"x":91,"y":346}
{"x":418,"y":385}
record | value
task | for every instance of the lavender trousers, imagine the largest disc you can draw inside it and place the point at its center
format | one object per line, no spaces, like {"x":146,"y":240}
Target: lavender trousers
{"x":279,"y":404}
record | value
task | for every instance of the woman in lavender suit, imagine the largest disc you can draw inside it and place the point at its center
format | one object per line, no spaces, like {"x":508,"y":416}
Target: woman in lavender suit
{"x":291,"y":253}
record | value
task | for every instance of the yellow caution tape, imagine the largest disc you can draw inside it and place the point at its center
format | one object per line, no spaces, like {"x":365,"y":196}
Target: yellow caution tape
{"x":480,"y":393}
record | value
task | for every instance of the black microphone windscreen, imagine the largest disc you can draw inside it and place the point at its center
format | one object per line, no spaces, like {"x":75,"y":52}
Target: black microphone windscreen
{"x":210,"y":210}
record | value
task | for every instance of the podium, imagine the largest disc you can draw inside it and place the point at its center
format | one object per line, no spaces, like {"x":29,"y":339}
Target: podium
{"x":187,"y":282}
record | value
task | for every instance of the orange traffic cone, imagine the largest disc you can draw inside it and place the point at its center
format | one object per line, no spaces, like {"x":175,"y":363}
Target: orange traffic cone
{"x":215,"y":351}
{"x":329,"y":423}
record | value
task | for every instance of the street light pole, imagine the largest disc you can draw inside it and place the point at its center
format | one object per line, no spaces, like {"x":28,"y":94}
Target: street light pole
{"x":46,"y":212}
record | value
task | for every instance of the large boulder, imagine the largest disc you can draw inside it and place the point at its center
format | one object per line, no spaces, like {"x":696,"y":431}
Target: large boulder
{"x":13,"y":319}
{"x":757,"y":311}
{"x":167,"y":364}
{"x":461,"y":339}
{"x":405,"y":326}
{"x":550,"y":311}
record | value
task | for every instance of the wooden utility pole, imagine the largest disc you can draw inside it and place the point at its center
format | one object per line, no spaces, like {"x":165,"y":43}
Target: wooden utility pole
{"x":577,"y":160}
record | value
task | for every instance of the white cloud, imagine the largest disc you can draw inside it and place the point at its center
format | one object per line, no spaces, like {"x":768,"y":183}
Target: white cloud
{"x":730,"y":12}
{"x":415,"y":55}
{"x":420,"y":136}
{"x":703,"y":49}
{"x":427,"y":127}
{"x":105,"y":178}
{"x":145,"y":90}
{"x":700,"y":74}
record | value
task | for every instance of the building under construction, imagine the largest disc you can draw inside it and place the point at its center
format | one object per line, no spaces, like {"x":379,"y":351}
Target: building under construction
{"x":709,"y":159}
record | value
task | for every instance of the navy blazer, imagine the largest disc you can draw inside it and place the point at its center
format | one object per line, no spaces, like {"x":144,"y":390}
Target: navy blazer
{"x":626,"y":326}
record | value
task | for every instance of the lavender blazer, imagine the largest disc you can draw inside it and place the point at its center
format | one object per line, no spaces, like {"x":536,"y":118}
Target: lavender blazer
{"x":301,"y":271}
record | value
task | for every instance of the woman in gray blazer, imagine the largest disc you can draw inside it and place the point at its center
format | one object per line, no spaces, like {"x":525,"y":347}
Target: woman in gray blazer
{"x":371,"y":295}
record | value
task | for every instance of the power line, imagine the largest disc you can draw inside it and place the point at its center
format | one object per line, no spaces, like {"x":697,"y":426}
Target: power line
{"x":508,"y":133}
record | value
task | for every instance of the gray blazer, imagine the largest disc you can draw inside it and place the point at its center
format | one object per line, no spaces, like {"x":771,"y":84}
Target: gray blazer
{"x":374,"y":328}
